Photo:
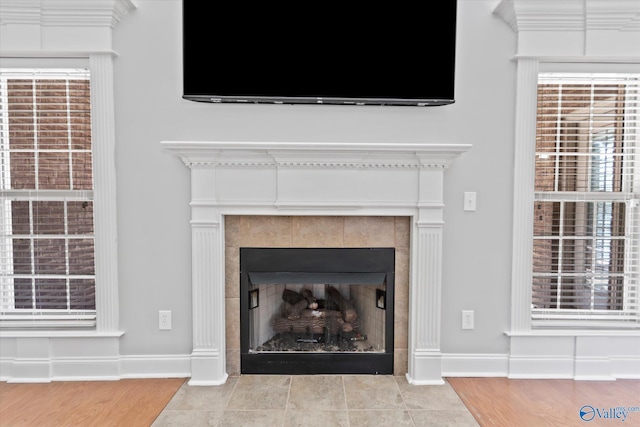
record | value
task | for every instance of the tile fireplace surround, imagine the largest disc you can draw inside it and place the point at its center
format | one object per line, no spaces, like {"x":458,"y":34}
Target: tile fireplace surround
{"x":320,"y":182}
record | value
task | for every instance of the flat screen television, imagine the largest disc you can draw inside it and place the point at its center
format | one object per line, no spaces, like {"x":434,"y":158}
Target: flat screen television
{"x":397,"y":53}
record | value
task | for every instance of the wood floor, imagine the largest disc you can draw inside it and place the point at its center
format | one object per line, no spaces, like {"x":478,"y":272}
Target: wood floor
{"x":492,"y":401}
{"x":126,"y":403}
{"x":539,"y":403}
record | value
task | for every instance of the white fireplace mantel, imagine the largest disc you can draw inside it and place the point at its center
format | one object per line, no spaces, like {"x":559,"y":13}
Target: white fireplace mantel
{"x":315,"y":178}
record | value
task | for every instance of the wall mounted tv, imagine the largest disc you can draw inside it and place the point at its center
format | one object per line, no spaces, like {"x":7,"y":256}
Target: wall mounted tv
{"x":391,"y":53}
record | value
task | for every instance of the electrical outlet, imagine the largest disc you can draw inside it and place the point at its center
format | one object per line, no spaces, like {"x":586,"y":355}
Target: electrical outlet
{"x":164,"y":319}
{"x":467,"y":319}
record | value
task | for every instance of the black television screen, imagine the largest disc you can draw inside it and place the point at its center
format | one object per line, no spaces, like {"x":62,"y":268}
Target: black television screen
{"x":396,"y":53}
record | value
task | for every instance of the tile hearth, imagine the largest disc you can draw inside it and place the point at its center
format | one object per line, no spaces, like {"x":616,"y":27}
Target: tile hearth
{"x":316,"y":400}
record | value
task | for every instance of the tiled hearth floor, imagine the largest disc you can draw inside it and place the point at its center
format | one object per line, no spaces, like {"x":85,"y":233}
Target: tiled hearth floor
{"x":316,"y":400}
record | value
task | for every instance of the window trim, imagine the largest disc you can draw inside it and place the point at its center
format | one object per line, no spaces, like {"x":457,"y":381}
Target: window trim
{"x":528,"y":69}
{"x":104,"y":175}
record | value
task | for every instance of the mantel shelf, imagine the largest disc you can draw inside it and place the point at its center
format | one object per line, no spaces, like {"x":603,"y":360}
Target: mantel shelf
{"x":329,"y":154}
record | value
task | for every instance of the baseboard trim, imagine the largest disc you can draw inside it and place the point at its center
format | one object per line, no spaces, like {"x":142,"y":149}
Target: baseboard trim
{"x":540,"y":367}
{"x":475,"y":365}
{"x":164,"y":366}
{"x":25,"y":370}
{"x":18,"y":370}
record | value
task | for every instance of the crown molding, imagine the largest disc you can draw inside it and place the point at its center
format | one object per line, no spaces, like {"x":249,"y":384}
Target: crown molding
{"x":64,"y":12}
{"x":41,"y":26}
{"x":574,"y":28}
{"x":574,"y":15}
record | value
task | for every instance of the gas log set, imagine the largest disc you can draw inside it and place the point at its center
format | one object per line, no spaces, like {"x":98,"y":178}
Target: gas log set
{"x":307,"y":321}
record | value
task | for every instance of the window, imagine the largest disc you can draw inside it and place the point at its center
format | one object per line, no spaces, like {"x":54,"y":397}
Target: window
{"x":47,"y":273}
{"x":586,"y":217}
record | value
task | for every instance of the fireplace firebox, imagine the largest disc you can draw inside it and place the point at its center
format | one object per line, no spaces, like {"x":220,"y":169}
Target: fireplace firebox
{"x":316,"y":310}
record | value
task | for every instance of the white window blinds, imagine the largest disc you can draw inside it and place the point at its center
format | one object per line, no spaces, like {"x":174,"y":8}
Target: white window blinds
{"x":586,"y":215}
{"x":47,"y":274}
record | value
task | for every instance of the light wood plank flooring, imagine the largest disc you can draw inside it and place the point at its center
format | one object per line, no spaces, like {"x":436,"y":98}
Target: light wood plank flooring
{"x":538,"y":403}
{"x":127,"y":403}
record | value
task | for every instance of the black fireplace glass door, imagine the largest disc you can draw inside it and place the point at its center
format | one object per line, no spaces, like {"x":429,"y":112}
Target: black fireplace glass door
{"x":320,"y":310}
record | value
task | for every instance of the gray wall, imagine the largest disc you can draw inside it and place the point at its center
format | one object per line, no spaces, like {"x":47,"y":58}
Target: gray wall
{"x":153,"y":185}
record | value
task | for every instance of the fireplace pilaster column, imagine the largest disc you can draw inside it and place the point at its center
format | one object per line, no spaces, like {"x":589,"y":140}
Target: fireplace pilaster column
{"x":425,"y":298}
{"x":208,"y":359}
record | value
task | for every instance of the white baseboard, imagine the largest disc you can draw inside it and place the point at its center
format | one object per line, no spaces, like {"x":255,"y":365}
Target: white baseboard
{"x":164,"y":366}
{"x":475,"y":365}
{"x":95,"y":369}
{"x":592,"y":357}
{"x":522,"y":366}
{"x":534,"y":366}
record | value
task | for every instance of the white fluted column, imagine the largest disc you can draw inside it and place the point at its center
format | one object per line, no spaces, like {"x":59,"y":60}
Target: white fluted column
{"x":425,"y":297}
{"x":525,"y":146}
{"x":104,"y":176}
{"x":208,"y":359}
{"x":425,"y":361}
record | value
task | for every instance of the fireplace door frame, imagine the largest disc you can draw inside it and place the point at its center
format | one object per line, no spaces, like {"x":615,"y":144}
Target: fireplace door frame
{"x":340,"y":263}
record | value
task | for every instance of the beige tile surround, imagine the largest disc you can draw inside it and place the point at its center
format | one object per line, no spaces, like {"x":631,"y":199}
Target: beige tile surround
{"x":316,"y":231}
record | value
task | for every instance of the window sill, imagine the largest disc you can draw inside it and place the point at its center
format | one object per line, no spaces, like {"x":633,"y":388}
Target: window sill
{"x":575,"y":333}
{"x":59,"y":334}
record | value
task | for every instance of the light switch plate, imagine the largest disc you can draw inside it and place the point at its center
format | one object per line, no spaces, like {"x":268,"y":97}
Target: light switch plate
{"x":470,"y":201}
